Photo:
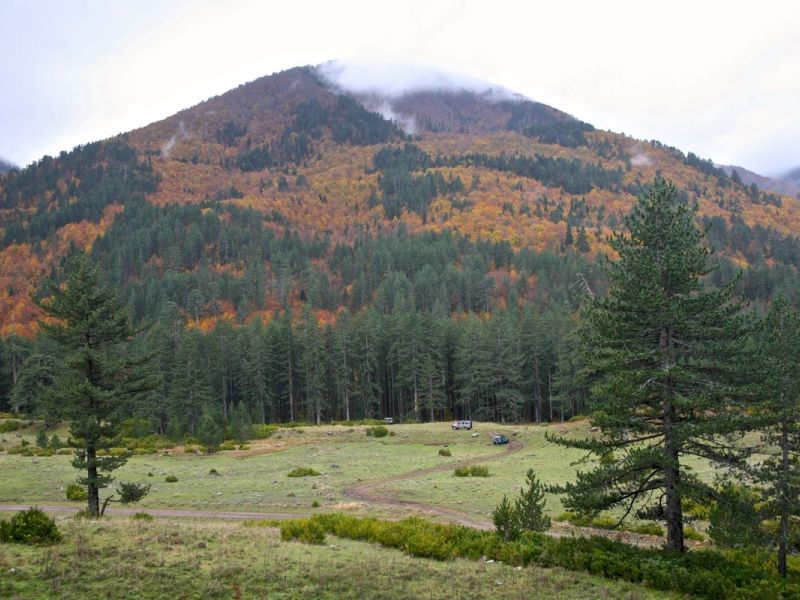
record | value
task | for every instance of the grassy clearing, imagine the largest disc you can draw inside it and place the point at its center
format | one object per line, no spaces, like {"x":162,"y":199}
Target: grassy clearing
{"x":257,"y":479}
{"x":122,"y":558}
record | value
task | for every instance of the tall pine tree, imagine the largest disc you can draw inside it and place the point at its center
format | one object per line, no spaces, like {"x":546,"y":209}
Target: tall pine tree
{"x":91,"y":327}
{"x":664,"y":356}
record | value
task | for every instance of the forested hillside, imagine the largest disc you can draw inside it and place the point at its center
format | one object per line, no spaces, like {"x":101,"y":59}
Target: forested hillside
{"x":289,"y":254}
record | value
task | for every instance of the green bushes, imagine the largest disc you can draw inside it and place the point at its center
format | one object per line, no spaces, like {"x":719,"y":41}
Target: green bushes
{"x":303,"y":530}
{"x":738,"y":575}
{"x":9,"y":426}
{"x":471,"y":471}
{"x":378,"y":431}
{"x":31,"y":527}
{"x":171,"y":479}
{"x":444,"y":452}
{"x":303,"y":472}
{"x":142,"y":516}
{"x":76,"y":493}
{"x":262,"y":432}
{"x":654,"y":529}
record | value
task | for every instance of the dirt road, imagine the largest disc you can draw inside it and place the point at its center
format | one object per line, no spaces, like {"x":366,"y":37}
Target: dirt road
{"x":369,"y":491}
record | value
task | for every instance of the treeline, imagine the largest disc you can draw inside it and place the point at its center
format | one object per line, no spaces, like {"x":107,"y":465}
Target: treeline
{"x":407,"y":364}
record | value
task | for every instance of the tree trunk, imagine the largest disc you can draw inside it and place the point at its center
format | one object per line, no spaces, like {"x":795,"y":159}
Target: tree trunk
{"x":784,"y":531}
{"x":91,"y":488}
{"x":672,"y":474}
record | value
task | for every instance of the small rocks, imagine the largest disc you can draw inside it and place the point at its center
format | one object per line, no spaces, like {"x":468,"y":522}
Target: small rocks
{"x":12,"y":571}
{"x":290,"y":495}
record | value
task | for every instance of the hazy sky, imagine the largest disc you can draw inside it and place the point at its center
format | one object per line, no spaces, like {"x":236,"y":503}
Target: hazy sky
{"x":719,"y":78}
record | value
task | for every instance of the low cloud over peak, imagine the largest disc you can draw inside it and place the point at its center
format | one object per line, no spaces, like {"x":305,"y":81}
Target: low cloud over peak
{"x":394,"y":79}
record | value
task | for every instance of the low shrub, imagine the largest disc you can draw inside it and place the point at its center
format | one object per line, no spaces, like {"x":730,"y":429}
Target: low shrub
{"x":262,"y":432}
{"x":10,"y":425}
{"x":303,"y":472}
{"x":213,"y":472}
{"x":170,"y":479}
{"x":478,"y":471}
{"x":142,"y":516}
{"x":76,"y":493}
{"x":302,"y":530}
{"x":378,"y":431}
{"x":650,"y":529}
{"x":444,"y":452}
{"x":315,"y":504}
{"x":690,"y":533}
{"x":227,"y":445}
{"x":31,"y":527}
{"x":120,"y":452}
{"x":64,"y":451}
{"x":738,"y":575}
{"x":461,"y":471}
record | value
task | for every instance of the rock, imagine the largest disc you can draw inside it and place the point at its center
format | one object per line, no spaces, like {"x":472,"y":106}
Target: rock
{"x":474,"y":435}
{"x":334,"y":466}
{"x":594,"y":429}
{"x":12,"y":571}
{"x":491,"y":560}
{"x":290,"y":495}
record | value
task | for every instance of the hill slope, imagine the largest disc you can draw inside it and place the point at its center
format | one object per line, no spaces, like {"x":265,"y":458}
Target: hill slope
{"x":253,"y":197}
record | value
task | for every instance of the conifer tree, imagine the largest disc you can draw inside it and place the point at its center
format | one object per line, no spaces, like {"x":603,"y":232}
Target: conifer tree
{"x":90,"y":326}
{"x":779,"y":474}
{"x":664,"y":357}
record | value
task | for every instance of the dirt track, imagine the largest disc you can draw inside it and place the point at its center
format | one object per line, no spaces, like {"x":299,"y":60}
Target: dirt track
{"x":369,"y":491}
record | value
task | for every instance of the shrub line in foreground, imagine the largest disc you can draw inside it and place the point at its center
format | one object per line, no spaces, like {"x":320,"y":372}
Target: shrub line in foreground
{"x":735,"y":574}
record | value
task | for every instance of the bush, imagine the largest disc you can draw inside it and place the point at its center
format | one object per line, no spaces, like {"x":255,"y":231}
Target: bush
{"x":303,"y":472}
{"x":303,"y":530}
{"x":170,"y":479}
{"x":461,"y":472}
{"x":710,"y":574}
{"x":444,"y":452}
{"x":479,"y":471}
{"x":652,"y":529}
{"x":315,"y":504}
{"x":213,"y":472}
{"x":31,"y":527}
{"x":262,"y":432}
{"x":76,"y":493}
{"x":9,"y":425}
{"x":690,"y":533}
{"x":142,"y":516}
{"x":378,"y":431}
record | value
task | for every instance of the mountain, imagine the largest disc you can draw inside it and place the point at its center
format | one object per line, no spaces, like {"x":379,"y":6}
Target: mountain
{"x":792,"y":176}
{"x":293,"y":190}
{"x":6,"y":166}
{"x":783,"y":185}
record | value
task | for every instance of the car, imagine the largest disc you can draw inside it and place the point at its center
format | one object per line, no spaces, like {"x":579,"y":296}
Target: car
{"x":499,"y":439}
{"x":388,"y":420}
{"x":467,"y":424}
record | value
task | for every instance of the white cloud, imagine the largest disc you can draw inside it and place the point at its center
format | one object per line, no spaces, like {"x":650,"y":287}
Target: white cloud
{"x":718,"y":78}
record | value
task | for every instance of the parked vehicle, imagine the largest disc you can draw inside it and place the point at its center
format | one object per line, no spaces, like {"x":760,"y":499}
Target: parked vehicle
{"x":499,"y":439}
{"x":388,"y":420}
{"x":462,"y":424}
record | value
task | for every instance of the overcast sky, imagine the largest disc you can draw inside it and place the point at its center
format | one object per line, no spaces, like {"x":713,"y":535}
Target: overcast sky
{"x":721,"y":79}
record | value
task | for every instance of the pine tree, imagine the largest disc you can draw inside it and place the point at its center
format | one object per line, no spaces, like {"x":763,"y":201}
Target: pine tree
{"x":665,"y":357}
{"x":529,"y":507}
{"x":779,"y":474}
{"x":90,"y":326}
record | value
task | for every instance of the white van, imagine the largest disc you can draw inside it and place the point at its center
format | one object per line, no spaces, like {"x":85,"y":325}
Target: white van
{"x":462,"y":424}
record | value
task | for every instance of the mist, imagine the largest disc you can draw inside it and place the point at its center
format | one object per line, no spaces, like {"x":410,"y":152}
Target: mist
{"x":393,"y":79}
